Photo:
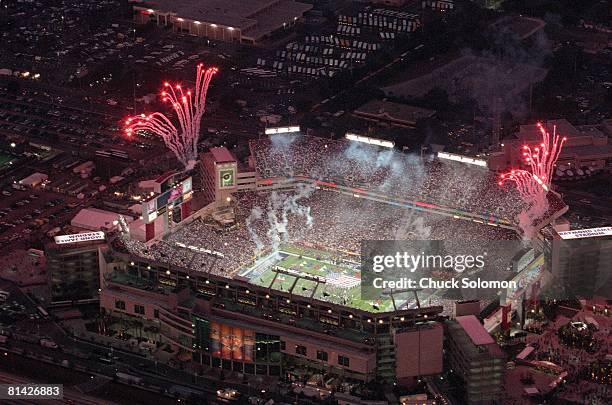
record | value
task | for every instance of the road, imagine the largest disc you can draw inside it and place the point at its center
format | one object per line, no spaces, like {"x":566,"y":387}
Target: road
{"x":156,"y":375}
{"x":69,"y":394}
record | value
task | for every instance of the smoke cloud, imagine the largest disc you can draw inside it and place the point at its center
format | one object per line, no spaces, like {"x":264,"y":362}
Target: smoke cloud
{"x":537,"y":206}
{"x":281,"y":206}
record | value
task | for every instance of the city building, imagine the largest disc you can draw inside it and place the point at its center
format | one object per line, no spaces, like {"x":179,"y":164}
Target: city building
{"x":34,"y":180}
{"x":585,"y":151}
{"x":468,"y":307}
{"x":418,"y":352}
{"x":391,"y":3}
{"x":521,"y":26}
{"x":73,"y":269}
{"x":498,"y":82}
{"x":26,"y":268}
{"x":222,"y":20}
{"x":476,"y":359}
{"x":580,"y":261}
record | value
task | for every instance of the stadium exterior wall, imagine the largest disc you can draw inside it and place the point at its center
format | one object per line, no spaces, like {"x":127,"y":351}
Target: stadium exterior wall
{"x":158,"y":293}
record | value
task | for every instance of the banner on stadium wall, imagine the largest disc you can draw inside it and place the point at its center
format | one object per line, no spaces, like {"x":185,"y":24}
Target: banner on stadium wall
{"x":79,"y":237}
{"x":586,"y":233}
{"x":227,"y":177}
{"x":232,"y":343}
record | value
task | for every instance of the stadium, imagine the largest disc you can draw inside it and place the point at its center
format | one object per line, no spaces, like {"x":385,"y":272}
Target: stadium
{"x":266,"y":278}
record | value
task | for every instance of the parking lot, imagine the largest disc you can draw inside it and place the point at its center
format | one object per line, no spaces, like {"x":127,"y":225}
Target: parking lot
{"x":46,"y":42}
{"x":15,"y":308}
{"x":39,"y":115}
{"x":30,"y":214}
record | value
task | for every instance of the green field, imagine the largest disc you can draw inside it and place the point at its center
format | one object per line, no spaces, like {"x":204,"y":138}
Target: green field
{"x":314,"y":262}
{"x":4,"y":159}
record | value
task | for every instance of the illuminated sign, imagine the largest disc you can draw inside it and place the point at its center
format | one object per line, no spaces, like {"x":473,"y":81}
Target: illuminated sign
{"x":282,"y":130}
{"x":371,"y":141}
{"x":586,"y":233}
{"x":232,"y":343}
{"x":226,"y":177}
{"x":462,"y":159}
{"x":149,"y":211}
{"x":79,"y":237}
{"x":173,"y":196}
{"x":187,"y":185}
{"x":152,"y":216}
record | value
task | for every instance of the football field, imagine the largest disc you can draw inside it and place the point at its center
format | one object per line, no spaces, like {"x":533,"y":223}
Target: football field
{"x":312,"y":273}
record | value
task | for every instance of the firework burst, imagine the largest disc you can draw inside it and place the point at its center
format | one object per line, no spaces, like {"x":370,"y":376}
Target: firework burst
{"x":188,"y":107}
{"x":540,"y":161}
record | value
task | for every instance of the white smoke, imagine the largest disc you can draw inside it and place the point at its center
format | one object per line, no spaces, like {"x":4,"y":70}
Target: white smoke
{"x":412,"y":227}
{"x":280,"y":207}
{"x":256,"y":215}
{"x":531,"y":214}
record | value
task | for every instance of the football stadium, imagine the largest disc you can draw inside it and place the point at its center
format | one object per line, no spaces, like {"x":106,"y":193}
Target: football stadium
{"x":266,"y":278}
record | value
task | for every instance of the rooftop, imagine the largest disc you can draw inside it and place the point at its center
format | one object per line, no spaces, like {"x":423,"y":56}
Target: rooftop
{"x":34,"y":178}
{"x":258,"y":15}
{"x":477,"y":333}
{"x":530,"y":132}
{"x":563,"y":127}
{"x":165,"y":176}
{"x":477,"y":77}
{"x":222,"y":155}
{"x":96,"y":219}
{"x":388,"y":110}
{"x":586,"y":151}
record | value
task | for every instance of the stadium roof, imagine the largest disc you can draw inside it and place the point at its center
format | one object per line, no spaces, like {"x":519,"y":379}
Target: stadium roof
{"x":96,"y":219}
{"x":477,"y":333}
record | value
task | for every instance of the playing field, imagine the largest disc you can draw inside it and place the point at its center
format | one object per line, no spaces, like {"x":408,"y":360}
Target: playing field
{"x":338,"y":282}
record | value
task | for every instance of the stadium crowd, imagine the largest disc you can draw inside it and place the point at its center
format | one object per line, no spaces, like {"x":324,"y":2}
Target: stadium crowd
{"x":331,"y":221}
{"x":446,"y":183}
{"x":339,"y":224}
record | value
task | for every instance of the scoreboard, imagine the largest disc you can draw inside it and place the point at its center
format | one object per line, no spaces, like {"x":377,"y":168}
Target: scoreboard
{"x":175,"y":194}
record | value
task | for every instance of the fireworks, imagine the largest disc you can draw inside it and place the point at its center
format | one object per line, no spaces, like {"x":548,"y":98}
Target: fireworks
{"x":188,"y":107}
{"x":540,"y":161}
